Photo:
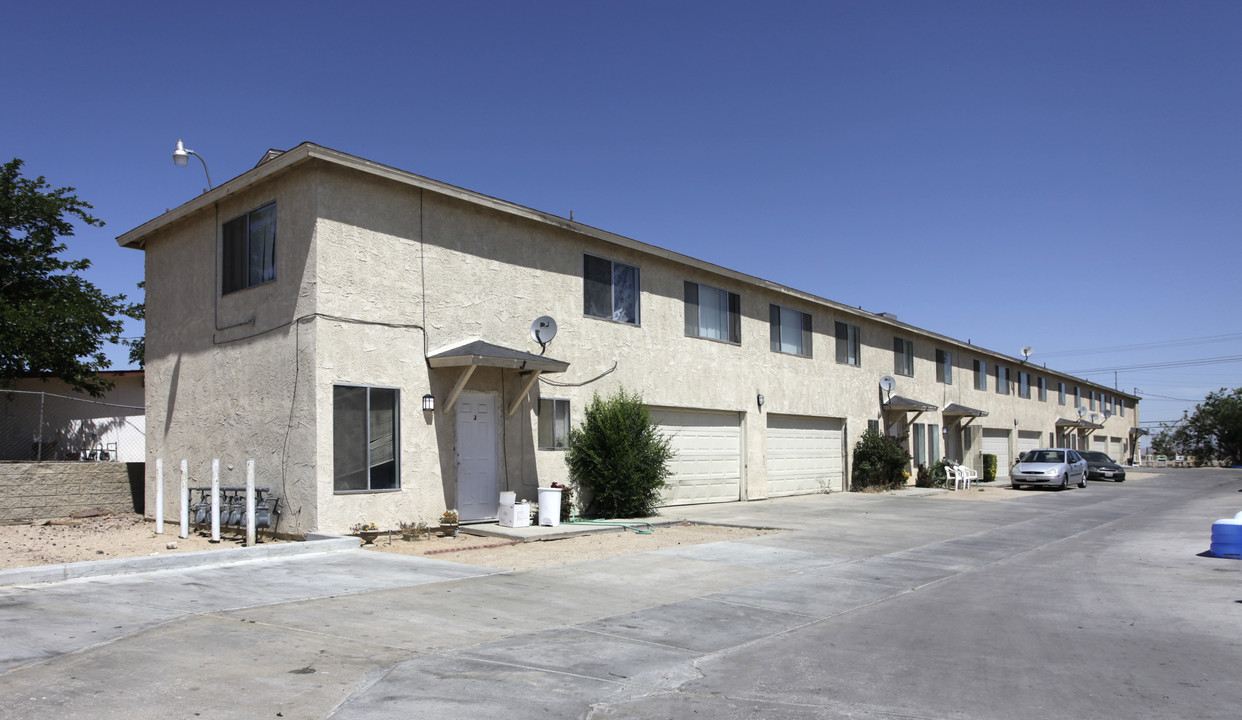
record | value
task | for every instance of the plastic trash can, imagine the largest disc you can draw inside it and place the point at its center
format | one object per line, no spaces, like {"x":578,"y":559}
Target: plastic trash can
{"x":549,"y":506}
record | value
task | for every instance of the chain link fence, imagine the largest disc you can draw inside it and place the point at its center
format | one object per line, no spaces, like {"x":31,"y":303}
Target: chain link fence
{"x":41,"y":426}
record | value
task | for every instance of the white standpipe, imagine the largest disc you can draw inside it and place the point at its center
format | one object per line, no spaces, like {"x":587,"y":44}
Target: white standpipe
{"x":215,"y":500}
{"x":159,"y":496}
{"x":250,"y":527}
{"x":185,"y":498}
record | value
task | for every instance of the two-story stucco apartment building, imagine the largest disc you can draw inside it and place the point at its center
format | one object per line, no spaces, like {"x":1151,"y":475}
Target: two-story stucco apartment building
{"x":305,"y":314}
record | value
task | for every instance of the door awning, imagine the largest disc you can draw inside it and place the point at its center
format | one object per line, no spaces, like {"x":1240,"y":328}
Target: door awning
{"x":476,"y":354}
{"x":1080,"y":424}
{"x":898,"y":403}
{"x":485,"y":354}
{"x":962,"y":410}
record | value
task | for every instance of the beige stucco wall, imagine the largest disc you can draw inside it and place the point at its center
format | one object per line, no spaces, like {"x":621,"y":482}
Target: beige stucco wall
{"x":374,"y":273}
{"x":224,"y":378}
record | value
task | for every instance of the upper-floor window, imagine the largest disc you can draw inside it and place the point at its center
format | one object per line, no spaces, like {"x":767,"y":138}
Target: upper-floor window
{"x":1060,"y":393}
{"x":903,"y":356}
{"x":713,"y":313}
{"x":1002,"y":380}
{"x":1077,"y":397}
{"x":847,"y":344}
{"x":944,"y":366}
{"x":790,"y":331}
{"x":981,"y":375}
{"x":1121,"y":407}
{"x":610,"y":290}
{"x":1024,"y":384}
{"x":553,"y":424}
{"x":249,"y":250}
{"x":1043,"y":389}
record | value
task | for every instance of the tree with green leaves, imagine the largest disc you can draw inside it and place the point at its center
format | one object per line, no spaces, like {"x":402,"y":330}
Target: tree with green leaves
{"x":1213,"y":432}
{"x":52,"y":321}
{"x":619,"y":457}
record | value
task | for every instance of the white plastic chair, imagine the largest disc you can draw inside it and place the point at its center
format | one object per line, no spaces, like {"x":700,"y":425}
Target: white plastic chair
{"x":952,"y":476}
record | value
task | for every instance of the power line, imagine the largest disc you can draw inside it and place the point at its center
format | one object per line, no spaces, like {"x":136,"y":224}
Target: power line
{"x":1162,"y":365}
{"x":1145,"y":346}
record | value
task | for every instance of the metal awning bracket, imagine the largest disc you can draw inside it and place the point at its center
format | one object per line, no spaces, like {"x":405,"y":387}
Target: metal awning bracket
{"x":461,"y":385}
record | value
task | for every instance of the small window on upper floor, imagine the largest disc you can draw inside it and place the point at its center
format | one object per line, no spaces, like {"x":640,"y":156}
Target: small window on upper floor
{"x":1043,"y":389}
{"x":790,"y":331}
{"x":847,"y":344}
{"x":1024,"y":384}
{"x":1060,"y":393}
{"x":610,"y":290}
{"x":981,"y":375}
{"x":903,"y":356}
{"x":944,"y":366}
{"x":1002,"y":380}
{"x":248,"y":250}
{"x":1121,"y":407}
{"x":553,"y":424}
{"x":713,"y":313}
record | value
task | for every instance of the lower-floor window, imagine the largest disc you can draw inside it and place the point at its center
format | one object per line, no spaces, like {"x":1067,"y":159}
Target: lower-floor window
{"x":365,"y":438}
{"x":553,"y":424}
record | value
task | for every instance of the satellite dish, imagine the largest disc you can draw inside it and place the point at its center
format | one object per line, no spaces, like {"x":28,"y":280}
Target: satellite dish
{"x":542,"y":331}
{"x":1108,"y":414}
{"x":1081,"y":411}
{"x":888,"y":382}
{"x":1026,"y":352}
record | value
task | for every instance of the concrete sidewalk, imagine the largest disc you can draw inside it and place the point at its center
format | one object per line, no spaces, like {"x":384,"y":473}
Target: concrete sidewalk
{"x":371,"y":635}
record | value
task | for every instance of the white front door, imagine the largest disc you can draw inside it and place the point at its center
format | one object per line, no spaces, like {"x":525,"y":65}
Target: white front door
{"x":478,"y":476}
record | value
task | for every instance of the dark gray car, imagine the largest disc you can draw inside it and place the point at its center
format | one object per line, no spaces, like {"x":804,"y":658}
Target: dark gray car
{"x":1102,"y":467}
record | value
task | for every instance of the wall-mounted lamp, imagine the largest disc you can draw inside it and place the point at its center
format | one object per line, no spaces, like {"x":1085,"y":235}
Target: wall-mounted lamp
{"x":760,"y":401}
{"x":1015,"y":422}
{"x":181,"y":158}
{"x":429,"y":403}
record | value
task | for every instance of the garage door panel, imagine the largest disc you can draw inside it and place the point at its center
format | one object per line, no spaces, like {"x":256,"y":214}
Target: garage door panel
{"x":996,"y":442}
{"x":707,"y":466}
{"x":1028,"y":440}
{"x":803,"y":455}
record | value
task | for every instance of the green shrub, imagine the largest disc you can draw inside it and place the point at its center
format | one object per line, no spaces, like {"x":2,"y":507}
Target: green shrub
{"x":879,"y":461}
{"x":989,"y":467}
{"x":618,"y":458}
{"x":940,"y":478}
{"x":924,"y":477}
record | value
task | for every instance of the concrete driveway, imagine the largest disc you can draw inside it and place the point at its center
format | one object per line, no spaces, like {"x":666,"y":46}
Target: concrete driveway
{"x":1086,"y":603}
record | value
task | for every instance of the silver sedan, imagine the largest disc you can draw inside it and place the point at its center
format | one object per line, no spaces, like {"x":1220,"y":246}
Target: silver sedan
{"x":1050,"y":467}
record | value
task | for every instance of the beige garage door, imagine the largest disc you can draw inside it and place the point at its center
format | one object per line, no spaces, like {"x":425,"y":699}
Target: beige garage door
{"x":708,"y":464}
{"x":996,"y":442}
{"x":803,"y":455}
{"x":1028,"y":440}
{"x":1115,"y":449}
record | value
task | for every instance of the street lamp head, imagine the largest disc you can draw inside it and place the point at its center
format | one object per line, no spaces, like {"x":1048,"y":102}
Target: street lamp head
{"x":181,"y":157}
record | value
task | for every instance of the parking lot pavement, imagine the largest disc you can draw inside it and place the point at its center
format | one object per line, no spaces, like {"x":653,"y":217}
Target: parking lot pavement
{"x":728,"y":629}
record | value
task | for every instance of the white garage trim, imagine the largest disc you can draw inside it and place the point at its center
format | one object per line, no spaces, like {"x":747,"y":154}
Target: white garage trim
{"x":707,"y":467}
{"x":803,"y":455}
{"x":996,"y":442}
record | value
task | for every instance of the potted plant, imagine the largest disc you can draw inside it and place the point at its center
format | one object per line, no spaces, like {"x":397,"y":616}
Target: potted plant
{"x":448,"y":523}
{"x":368,"y":531}
{"x":412,"y":530}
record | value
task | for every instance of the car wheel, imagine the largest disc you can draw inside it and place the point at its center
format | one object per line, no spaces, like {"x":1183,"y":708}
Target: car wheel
{"x":1065,"y":481}
{"x":1083,"y":483}
{"x":1015,"y":486}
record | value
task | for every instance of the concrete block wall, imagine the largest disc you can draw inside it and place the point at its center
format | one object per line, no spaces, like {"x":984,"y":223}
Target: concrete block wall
{"x":57,"y":489}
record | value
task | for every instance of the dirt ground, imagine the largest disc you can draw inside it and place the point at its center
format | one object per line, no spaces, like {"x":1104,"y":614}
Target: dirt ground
{"x":507,"y":555}
{"x":129,"y":535}
{"x":66,"y":540}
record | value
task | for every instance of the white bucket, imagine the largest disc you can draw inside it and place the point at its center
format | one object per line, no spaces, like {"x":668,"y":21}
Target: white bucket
{"x":508,"y":499}
{"x":550,"y":506}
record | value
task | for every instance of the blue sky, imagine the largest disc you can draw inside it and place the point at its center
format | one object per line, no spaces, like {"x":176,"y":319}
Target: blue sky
{"x":1065,"y":175}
